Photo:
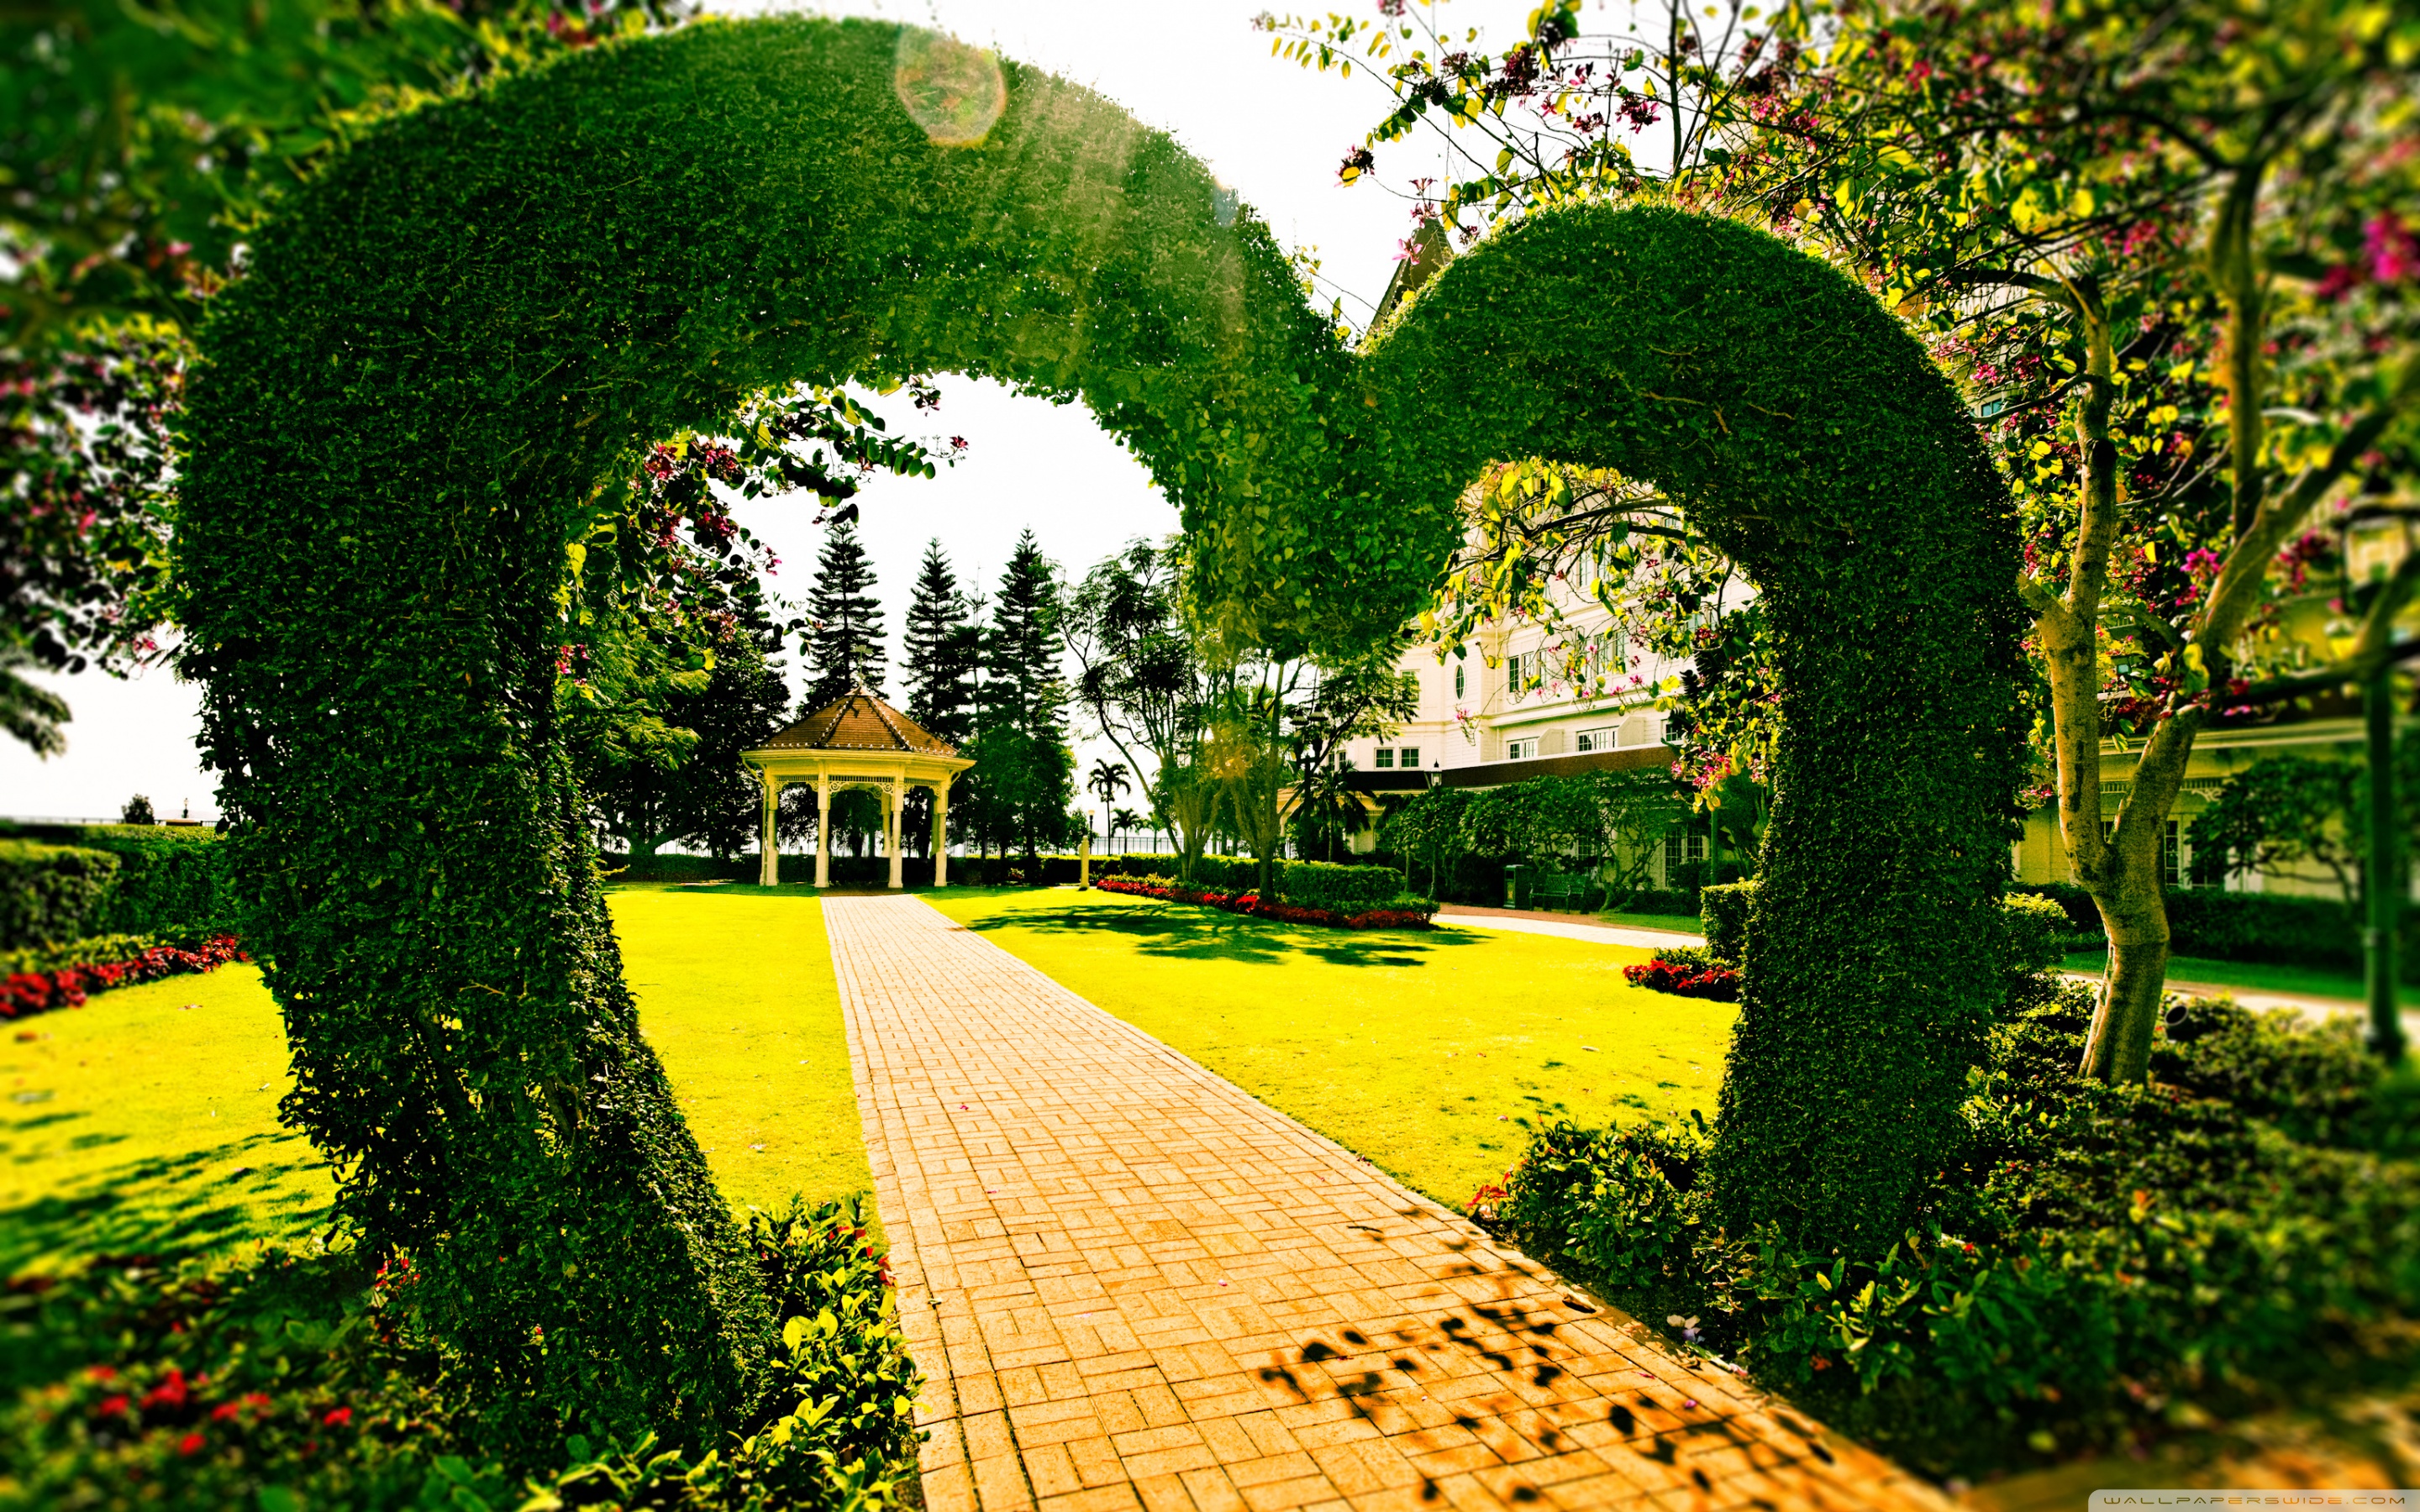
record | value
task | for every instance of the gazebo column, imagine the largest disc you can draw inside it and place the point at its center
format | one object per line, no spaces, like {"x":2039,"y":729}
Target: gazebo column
{"x":892,"y":824}
{"x":769,"y":871}
{"x":942,"y":833}
{"x":823,"y":830}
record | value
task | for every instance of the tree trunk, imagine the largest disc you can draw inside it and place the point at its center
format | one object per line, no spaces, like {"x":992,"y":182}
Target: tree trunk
{"x":2119,"y":1046}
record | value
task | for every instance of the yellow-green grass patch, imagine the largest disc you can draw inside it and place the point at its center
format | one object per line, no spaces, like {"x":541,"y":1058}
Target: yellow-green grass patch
{"x":146,"y":1121}
{"x":736,"y":996}
{"x":1429,"y":1052}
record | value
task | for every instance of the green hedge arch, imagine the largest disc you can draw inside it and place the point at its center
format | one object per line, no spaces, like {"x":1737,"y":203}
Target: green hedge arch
{"x":1816,"y":443}
{"x":408,"y":420}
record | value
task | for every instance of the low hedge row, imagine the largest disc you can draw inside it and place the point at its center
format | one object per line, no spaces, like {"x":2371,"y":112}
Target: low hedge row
{"x":51,"y":892}
{"x":67,"y":882}
{"x":1401,"y":912}
{"x":29,"y":993}
{"x":2275,"y":928}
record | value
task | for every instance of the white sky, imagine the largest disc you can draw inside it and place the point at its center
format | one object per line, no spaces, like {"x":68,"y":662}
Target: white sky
{"x":1194,"y":67}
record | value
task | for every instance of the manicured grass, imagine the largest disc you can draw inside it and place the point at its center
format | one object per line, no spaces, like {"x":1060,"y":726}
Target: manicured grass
{"x":136,"y":1124}
{"x":735,"y":993}
{"x":1685,"y":923}
{"x":146,"y":1121}
{"x":1425,"y":1051}
{"x":2253,"y":976}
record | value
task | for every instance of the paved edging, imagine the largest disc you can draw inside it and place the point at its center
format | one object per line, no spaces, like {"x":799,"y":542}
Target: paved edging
{"x":1129,"y":1284}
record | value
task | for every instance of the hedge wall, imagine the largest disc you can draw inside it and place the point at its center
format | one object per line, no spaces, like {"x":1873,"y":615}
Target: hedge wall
{"x":2251,"y":926}
{"x":163,"y":881}
{"x":52,"y":893}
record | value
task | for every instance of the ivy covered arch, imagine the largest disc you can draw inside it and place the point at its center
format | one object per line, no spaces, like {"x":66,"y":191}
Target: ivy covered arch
{"x":1813,"y":441}
{"x":412,"y":412}
{"x":407,"y":421}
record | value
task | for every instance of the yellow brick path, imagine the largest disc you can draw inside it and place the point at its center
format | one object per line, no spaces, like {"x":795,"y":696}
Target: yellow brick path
{"x":1129,"y":1284}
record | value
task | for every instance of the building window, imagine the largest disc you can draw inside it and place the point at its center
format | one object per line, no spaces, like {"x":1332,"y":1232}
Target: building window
{"x":1516,"y":680}
{"x":1592,"y":740}
{"x":1457,"y":679}
{"x":1408,"y":756}
{"x":1386,"y":758}
{"x":1680,"y":849}
{"x":1521,"y":750}
{"x":2170,"y":855}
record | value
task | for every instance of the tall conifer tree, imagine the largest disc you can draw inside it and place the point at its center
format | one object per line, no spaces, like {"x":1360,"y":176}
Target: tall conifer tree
{"x":1023,"y":732}
{"x":944,"y":654}
{"x":845,"y":637}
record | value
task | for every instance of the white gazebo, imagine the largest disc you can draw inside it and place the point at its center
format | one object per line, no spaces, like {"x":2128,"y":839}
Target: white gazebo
{"x":860,"y":742}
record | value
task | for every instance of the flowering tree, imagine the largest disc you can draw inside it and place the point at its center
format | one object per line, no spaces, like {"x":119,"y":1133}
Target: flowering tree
{"x":2165,"y":250}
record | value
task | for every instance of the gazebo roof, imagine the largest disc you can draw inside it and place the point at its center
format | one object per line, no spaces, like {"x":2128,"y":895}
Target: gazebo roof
{"x":859,"y":722}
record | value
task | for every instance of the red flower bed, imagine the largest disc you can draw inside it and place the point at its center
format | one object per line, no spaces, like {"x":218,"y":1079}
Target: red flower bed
{"x":1717,"y":983}
{"x":1251,"y":902}
{"x":39,"y":992}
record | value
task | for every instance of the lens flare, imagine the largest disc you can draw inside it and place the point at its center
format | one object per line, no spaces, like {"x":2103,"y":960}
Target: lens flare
{"x":954,"y":91}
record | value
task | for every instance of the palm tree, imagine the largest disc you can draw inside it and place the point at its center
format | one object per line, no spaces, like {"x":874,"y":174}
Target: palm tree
{"x":1124,"y":819}
{"x":1107,"y":781}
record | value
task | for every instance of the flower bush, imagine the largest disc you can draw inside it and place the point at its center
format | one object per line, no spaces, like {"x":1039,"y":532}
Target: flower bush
{"x":39,"y":992}
{"x":1687,"y":972}
{"x":1404,"y":912}
{"x":293,"y":1380}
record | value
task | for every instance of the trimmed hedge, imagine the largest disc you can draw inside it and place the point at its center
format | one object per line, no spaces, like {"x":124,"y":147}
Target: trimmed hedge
{"x":2250,"y":926}
{"x":167,"y":878}
{"x":1403,"y":912}
{"x":52,"y":892}
{"x":1722,"y":912}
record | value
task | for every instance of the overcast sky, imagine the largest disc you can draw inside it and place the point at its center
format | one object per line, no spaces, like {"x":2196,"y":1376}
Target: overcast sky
{"x":1198,"y":69}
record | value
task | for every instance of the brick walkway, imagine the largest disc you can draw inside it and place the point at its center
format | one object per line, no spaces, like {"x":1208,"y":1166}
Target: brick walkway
{"x":1128,"y":1283}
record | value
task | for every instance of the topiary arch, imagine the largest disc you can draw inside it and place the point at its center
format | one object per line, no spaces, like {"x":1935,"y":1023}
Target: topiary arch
{"x":1812,"y":440}
{"x":412,"y":416}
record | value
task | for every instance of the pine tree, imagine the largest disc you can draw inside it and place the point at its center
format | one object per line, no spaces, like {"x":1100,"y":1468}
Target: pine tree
{"x":943,"y":652}
{"x":1023,"y":730}
{"x":844,"y":639}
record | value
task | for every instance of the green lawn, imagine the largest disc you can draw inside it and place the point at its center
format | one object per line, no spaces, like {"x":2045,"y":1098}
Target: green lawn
{"x":2252,"y":977}
{"x":147,"y":1121}
{"x":141,"y":1123}
{"x":1425,"y":1051}
{"x":735,"y":993}
{"x":1685,"y":923}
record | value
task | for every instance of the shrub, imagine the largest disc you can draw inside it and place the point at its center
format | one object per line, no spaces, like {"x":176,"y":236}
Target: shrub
{"x":2245,"y":926}
{"x":168,"y":880}
{"x":52,"y":892}
{"x":93,"y":950}
{"x":29,"y":993}
{"x":2031,"y":945}
{"x":1339,"y":888}
{"x":1686,"y":973}
{"x":1722,"y":910}
{"x":1404,"y":911}
{"x":2096,"y":1262}
{"x":305,"y":1381}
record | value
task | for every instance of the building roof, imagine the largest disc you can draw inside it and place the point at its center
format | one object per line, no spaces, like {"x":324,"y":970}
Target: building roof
{"x":859,"y":722}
